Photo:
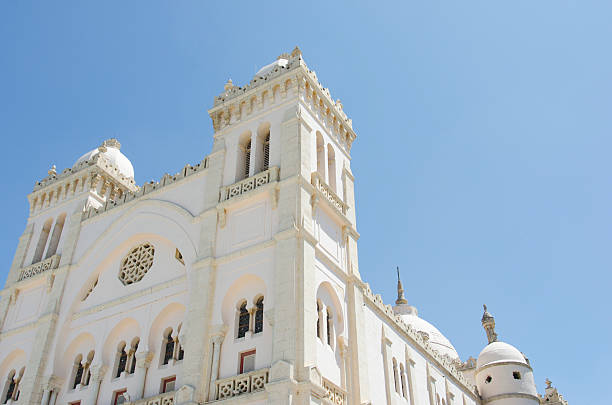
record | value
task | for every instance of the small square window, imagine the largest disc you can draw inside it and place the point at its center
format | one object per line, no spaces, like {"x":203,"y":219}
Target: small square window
{"x":118,"y":397}
{"x":516,"y":375}
{"x":247,"y":361}
{"x":488,"y":379}
{"x":168,"y":384}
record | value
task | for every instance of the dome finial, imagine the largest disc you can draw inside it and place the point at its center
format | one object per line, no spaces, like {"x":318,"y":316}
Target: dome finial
{"x":52,"y":171}
{"x":400,"y":291}
{"x":488,"y":323}
{"x":228,"y":85}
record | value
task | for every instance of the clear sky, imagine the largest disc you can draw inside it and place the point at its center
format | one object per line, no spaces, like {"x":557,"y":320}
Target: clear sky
{"x":482,"y":160}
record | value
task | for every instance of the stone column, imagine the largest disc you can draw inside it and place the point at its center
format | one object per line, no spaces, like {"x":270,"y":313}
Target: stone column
{"x":217,"y":340}
{"x":45,"y":397}
{"x":143,"y":361}
{"x":97,"y":375}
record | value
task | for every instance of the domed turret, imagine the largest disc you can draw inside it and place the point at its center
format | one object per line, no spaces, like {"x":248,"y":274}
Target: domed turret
{"x":110,"y":149}
{"x":409,"y":315}
{"x":503,"y":375}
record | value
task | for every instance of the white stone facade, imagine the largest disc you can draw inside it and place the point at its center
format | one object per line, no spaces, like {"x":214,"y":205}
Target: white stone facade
{"x":235,"y":280}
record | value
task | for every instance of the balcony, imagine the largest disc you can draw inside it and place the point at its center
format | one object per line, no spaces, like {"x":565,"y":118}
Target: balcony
{"x":32,"y":270}
{"x":249,"y":184}
{"x":166,"y":398}
{"x":241,"y":384}
{"x":322,"y":188}
{"x":333,"y":393}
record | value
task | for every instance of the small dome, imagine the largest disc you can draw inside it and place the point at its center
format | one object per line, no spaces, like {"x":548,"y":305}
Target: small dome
{"x":436,"y":339}
{"x":498,"y":352}
{"x":268,"y":68}
{"x":110,"y":150}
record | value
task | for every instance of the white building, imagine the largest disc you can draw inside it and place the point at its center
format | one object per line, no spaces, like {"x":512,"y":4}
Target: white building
{"x":233,"y":281}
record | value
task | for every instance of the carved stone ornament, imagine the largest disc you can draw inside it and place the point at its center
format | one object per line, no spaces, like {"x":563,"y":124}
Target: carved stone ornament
{"x":136,"y":264}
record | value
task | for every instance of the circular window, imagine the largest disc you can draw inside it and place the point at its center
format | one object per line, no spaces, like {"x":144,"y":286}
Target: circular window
{"x":135,"y":265}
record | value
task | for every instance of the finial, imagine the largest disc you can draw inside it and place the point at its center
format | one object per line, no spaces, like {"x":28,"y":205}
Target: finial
{"x":548,"y":383}
{"x":400,"y":291}
{"x":52,"y":171}
{"x":488,"y":323}
{"x":296,"y":52}
{"x":228,"y":85}
{"x":110,"y":143}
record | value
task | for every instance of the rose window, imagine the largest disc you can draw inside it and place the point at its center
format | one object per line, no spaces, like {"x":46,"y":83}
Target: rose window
{"x":136,"y":264}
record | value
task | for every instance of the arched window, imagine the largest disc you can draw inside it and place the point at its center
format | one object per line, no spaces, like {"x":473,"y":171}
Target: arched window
{"x":121,"y":360}
{"x":395,"y":376}
{"x":320,"y":156}
{"x":11,"y":384}
{"x":266,"y":152}
{"x":331,"y":167}
{"x":247,"y":159}
{"x":330,"y":326}
{"x":168,"y":347}
{"x":55,"y":237}
{"x":87,"y":370}
{"x":132,"y":355}
{"x":42,"y":241}
{"x":78,"y":375}
{"x":403,"y":377}
{"x":243,"y":320}
{"x":259,"y":308}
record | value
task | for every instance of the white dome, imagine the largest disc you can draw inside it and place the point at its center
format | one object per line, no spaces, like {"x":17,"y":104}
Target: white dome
{"x":111,"y":152}
{"x":437,"y":340}
{"x":268,"y":68}
{"x":498,"y":352}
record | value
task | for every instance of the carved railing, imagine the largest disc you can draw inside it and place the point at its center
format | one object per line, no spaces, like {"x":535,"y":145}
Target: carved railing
{"x":241,"y":384}
{"x":333,"y":393}
{"x":167,"y":398}
{"x":249,"y":184}
{"x":322,"y":187}
{"x":40,"y":267}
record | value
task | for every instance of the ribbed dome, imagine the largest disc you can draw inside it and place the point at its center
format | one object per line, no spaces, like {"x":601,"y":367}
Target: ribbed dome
{"x":437,"y":340}
{"x":498,"y":352}
{"x":111,"y":150}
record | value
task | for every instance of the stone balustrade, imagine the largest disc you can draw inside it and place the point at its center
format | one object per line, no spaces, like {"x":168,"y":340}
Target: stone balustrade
{"x":167,"y":398}
{"x":49,"y":263}
{"x":333,"y":393}
{"x":241,"y":384}
{"x":321,"y":186}
{"x":249,"y":184}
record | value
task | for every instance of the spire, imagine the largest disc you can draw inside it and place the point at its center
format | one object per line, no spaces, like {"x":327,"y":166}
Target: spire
{"x":400,"y":291}
{"x":488,"y":323}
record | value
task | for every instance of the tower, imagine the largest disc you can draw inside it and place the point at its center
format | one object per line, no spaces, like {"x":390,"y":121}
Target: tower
{"x":503,"y":375}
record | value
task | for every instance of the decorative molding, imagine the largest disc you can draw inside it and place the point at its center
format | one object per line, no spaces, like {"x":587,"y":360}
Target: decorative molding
{"x":249,"y":184}
{"x":147,"y":188}
{"x":40,"y":267}
{"x":241,"y":384}
{"x":321,"y":188}
{"x":167,"y":398}
{"x":333,"y":393}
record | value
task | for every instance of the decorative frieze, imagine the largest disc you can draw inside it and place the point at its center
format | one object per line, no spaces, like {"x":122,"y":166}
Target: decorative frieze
{"x":241,"y":384}
{"x":328,"y":194}
{"x":40,"y":267}
{"x":333,"y":393}
{"x":147,"y":188}
{"x":249,"y":184}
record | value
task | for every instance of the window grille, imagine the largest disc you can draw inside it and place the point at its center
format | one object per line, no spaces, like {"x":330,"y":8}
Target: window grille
{"x":259,"y":315}
{"x":169,"y":352}
{"x":318,"y":320}
{"x":243,"y":321}
{"x":247,"y":159}
{"x":78,"y":376}
{"x":330,"y":325}
{"x":266,"y":152}
{"x":133,"y":358}
{"x":136,"y":264}
{"x":395,"y":376}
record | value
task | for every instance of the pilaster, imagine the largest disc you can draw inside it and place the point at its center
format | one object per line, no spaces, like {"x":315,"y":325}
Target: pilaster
{"x":22,"y":250}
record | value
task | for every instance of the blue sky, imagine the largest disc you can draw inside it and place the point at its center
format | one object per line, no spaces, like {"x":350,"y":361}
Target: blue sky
{"x":482,"y":161}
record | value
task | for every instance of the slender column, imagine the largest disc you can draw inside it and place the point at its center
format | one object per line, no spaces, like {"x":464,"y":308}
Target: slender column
{"x":45,"y":397}
{"x":143,"y":361}
{"x":217,"y":340}
{"x":97,"y":375}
